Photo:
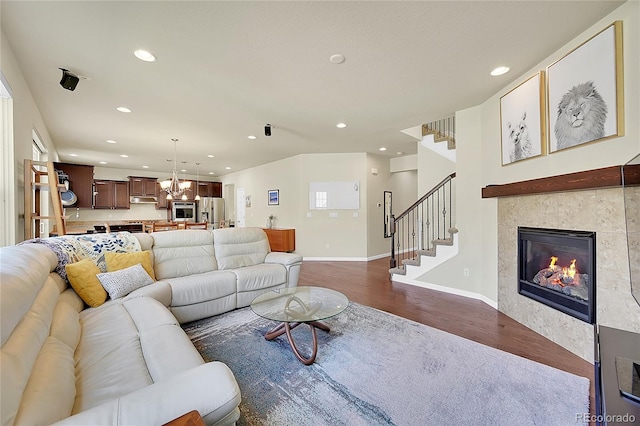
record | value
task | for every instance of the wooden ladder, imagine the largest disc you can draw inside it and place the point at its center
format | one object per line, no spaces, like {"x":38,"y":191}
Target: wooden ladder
{"x":33,"y":186}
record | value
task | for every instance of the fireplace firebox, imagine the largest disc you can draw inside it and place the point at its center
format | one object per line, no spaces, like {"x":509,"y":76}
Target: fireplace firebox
{"x":558,"y":268}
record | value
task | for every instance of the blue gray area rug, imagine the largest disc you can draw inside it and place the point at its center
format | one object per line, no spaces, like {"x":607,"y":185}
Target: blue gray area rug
{"x":374,"y":368}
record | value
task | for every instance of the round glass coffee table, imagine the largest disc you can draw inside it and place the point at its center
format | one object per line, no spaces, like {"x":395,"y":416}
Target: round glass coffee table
{"x":299,"y":305}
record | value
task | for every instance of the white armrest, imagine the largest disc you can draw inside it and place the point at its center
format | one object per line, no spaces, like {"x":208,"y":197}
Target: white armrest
{"x":209,"y":388}
{"x":292,"y":262}
{"x":286,"y":259}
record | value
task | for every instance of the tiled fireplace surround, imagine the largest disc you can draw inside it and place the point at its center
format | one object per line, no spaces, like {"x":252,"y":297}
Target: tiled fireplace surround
{"x":599,"y":210}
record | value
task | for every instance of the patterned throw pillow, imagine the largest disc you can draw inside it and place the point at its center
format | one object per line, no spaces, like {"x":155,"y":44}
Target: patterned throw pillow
{"x":122,"y":282}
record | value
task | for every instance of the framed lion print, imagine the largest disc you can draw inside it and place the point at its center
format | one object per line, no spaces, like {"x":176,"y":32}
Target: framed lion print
{"x":522,"y":114}
{"x":585,"y":92}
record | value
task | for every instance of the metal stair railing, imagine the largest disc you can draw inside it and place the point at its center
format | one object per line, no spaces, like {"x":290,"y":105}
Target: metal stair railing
{"x":442,"y":130}
{"x":418,"y":229}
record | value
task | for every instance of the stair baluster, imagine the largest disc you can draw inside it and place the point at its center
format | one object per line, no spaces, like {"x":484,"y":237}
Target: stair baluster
{"x":417,"y":230}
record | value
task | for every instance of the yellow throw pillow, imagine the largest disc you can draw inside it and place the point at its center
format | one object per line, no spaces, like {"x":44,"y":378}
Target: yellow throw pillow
{"x":83,"y":279}
{"x":118,"y":261}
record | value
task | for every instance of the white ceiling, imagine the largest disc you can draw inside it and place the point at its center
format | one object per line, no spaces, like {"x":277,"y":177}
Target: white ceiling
{"x":225,"y":69}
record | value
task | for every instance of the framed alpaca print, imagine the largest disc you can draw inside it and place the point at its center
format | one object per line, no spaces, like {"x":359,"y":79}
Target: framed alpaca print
{"x":585,"y":92}
{"x":522,"y":114}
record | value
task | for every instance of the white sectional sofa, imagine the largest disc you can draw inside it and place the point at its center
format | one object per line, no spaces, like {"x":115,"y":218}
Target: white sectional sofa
{"x":128,"y":361}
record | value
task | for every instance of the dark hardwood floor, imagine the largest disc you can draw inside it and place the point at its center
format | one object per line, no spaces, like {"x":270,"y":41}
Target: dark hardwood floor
{"x":368,"y":283}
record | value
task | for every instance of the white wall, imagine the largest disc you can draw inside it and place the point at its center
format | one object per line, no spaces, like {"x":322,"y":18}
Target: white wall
{"x":432,"y":168}
{"x":26,"y":118}
{"x":317,"y":236}
{"x":403,"y":187}
{"x":353,"y":234}
{"x":472,"y":221}
{"x":479,"y":162}
{"x":610,"y":152}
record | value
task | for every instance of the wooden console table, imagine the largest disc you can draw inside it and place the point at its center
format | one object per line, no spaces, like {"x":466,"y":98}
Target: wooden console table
{"x":281,"y":239}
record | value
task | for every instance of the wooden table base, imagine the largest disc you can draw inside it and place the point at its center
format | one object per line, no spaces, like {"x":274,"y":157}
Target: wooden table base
{"x":286,"y":327}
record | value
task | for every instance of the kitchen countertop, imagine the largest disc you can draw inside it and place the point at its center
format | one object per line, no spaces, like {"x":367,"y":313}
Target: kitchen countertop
{"x":84,"y":227}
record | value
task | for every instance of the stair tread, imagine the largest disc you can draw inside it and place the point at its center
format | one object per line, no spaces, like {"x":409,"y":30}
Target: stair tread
{"x":398,"y":271}
{"x":444,"y":242}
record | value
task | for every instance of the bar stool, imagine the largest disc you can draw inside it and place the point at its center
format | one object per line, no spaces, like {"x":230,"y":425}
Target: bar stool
{"x":168,"y":226}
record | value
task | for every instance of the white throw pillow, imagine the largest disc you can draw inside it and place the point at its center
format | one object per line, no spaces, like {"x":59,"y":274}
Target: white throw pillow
{"x":122,"y":282}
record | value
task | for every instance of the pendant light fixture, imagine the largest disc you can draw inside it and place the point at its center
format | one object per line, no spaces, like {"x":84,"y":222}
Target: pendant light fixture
{"x":173,"y":186}
{"x":197,"y":198}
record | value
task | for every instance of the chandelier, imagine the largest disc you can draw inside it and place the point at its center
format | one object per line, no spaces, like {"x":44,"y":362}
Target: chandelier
{"x":174,"y":187}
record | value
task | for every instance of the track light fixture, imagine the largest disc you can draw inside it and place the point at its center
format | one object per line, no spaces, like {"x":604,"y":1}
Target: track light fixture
{"x":267,"y":130}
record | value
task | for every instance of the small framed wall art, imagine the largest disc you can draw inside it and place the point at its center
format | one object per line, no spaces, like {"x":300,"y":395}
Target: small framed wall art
{"x":522,"y":125}
{"x":586,"y":93}
{"x":273,"y":197}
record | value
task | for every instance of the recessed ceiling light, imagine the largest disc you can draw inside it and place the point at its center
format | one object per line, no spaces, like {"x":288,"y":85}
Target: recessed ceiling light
{"x":124,"y":156}
{"x":184,"y":170}
{"x":103,"y":162}
{"x":123,"y":109}
{"x":382,"y":149}
{"x":341,"y":125}
{"x":399,"y":153}
{"x":210,"y":155}
{"x":145,"y":167}
{"x":337,"y":58}
{"x":144,"y":55}
{"x":111,"y":141}
{"x":499,"y":71}
{"x":227,"y":168}
{"x":251,"y":137}
{"x":211,"y":173}
{"x":73,"y":155}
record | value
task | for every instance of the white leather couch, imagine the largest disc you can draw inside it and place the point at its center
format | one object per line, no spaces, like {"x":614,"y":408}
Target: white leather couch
{"x":128,"y":362}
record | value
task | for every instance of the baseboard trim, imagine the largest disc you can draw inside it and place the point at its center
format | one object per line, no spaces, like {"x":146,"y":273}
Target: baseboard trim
{"x":379,"y":256}
{"x":346,"y":259}
{"x":444,"y":289}
{"x":335,"y":259}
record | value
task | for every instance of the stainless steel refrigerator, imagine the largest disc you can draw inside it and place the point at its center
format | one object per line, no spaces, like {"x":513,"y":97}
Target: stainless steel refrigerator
{"x":211,"y":210}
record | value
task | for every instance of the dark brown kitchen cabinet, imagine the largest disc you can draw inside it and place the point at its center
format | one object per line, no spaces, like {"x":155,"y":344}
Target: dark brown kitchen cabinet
{"x":203,"y":189}
{"x":111,"y":194}
{"x":80,"y":182}
{"x":207,"y":189}
{"x":215,"y":189}
{"x":142,"y":186}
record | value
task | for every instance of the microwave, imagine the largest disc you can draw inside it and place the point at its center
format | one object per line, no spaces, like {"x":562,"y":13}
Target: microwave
{"x":183,"y":211}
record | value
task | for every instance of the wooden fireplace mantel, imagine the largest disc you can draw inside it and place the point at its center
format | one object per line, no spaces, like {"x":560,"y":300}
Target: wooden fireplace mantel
{"x":589,"y":179}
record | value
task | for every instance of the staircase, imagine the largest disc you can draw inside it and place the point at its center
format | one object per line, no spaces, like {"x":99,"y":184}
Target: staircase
{"x":424,"y":230}
{"x":434,"y":135}
{"x":442,"y":130}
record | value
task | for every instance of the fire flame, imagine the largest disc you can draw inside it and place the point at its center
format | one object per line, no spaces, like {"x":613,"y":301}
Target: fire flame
{"x":572,"y":269}
{"x":569,"y":271}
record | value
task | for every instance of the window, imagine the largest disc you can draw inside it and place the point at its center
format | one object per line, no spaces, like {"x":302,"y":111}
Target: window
{"x":321,"y":200}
